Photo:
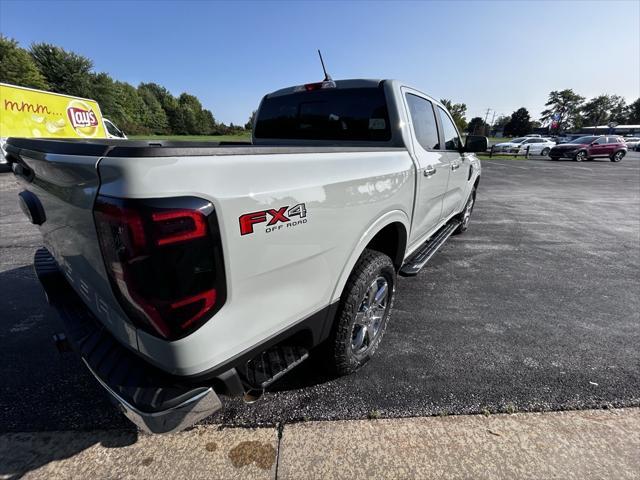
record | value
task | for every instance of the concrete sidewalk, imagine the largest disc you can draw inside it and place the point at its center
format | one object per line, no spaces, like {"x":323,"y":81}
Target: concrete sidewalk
{"x":596,"y":444}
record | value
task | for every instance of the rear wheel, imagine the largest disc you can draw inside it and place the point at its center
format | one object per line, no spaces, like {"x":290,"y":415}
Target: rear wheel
{"x":545,"y":152}
{"x":581,"y":156}
{"x":363,"y":314}
{"x":616,"y":157}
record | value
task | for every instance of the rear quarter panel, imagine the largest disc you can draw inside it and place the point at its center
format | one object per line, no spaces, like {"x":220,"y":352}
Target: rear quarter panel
{"x":279,"y":278}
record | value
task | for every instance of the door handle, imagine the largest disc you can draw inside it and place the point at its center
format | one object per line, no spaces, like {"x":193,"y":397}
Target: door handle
{"x":429,"y":171}
{"x":455,"y":166}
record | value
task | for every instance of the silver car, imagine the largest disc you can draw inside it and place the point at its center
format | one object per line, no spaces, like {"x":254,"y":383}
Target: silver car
{"x":633,"y":143}
{"x":537,"y":145}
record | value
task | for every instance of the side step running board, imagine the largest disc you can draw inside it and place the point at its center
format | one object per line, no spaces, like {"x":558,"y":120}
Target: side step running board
{"x":420,"y":258}
{"x":273,"y":363}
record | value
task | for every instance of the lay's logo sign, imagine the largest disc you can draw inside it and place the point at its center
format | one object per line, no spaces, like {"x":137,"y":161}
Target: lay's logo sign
{"x":82,"y":118}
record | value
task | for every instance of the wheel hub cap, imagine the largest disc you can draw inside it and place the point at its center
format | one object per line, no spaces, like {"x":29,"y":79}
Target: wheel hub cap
{"x":467,"y":212}
{"x":369,"y":316}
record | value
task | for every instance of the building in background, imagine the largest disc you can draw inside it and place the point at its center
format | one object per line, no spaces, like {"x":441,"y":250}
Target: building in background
{"x":617,"y":130}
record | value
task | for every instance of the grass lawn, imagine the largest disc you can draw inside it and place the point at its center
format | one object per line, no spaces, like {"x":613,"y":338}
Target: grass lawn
{"x":246,"y":137}
{"x":494,"y":140}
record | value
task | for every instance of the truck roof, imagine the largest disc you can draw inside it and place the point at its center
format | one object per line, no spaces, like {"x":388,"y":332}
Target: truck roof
{"x":347,"y":83}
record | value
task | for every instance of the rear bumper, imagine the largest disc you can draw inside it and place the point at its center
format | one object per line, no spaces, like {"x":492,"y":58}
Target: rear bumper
{"x":152,"y":399}
{"x":198,"y":405}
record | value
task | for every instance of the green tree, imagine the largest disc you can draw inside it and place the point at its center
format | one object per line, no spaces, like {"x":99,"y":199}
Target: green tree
{"x":618,"y":111}
{"x":190,"y":108}
{"x":103,"y":90}
{"x":598,"y":110}
{"x":17,"y":67}
{"x":566,"y":104}
{"x":633,"y":113}
{"x":520,"y":123}
{"x":458,"y":112}
{"x":65,"y":72}
{"x":196,"y":120}
{"x":133,"y":109}
{"x":154,"y":118}
{"x":252,"y":118}
{"x":477,"y":126}
{"x":168,"y":103}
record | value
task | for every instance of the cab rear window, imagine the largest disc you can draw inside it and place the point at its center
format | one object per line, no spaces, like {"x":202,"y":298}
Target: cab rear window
{"x":349,"y":114}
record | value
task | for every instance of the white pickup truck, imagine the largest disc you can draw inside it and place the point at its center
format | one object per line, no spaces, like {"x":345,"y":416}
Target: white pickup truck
{"x":183,"y":271}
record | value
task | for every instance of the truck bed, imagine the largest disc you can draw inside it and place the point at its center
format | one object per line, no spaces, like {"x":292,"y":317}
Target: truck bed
{"x":147,"y":148}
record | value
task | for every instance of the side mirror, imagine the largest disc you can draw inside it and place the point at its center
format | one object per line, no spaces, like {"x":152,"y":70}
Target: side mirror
{"x":476,"y":143}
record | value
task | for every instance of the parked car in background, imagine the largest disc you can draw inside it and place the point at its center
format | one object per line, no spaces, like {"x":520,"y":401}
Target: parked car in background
{"x":568,"y":137}
{"x":633,"y":143}
{"x":537,"y":145}
{"x":591,"y":146}
{"x":507,"y":146}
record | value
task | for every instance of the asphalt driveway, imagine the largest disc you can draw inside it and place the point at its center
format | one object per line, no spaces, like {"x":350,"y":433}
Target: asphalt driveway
{"x":535,"y":307}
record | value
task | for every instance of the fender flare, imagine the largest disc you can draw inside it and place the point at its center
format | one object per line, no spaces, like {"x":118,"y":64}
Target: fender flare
{"x":393,"y":216}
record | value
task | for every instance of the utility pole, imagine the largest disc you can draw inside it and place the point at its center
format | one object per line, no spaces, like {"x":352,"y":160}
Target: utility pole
{"x":493,"y":119}
{"x":484,"y":127}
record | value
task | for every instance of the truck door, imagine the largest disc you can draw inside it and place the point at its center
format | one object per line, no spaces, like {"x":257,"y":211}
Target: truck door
{"x":458,"y":165}
{"x":433,"y":165}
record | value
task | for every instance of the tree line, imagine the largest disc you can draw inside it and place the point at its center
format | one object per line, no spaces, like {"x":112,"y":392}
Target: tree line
{"x":146,"y":109}
{"x":565,"y":111}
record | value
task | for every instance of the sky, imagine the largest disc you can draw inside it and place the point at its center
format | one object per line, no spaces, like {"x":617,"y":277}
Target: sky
{"x":497,"y":55}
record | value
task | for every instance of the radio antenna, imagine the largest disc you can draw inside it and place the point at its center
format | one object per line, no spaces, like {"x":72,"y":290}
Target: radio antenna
{"x":327,"y":77}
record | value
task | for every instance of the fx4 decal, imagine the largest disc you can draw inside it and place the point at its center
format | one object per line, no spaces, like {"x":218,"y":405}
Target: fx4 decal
{"x":273,"y":218}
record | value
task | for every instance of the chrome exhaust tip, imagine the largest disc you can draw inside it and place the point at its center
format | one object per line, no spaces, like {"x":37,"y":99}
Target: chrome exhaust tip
{"x":253,"y":395}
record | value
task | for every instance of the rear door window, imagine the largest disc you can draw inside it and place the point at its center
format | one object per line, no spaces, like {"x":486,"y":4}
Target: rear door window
{"x":347,"y":114}
{"x":451,"y":137}
{"x":424,"y":123}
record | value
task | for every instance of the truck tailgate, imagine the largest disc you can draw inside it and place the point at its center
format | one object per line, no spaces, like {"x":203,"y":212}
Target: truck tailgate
{"x":62,"y":189}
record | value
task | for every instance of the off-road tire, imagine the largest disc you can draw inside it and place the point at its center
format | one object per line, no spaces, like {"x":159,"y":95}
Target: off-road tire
{"x":370,"y":265}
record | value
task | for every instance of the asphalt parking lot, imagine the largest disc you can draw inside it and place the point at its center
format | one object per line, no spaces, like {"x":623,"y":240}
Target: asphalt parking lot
{"x":536,"y":307}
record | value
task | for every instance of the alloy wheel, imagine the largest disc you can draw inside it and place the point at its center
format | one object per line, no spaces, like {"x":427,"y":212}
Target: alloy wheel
{"x":370,"y":316}
{"x":466,"y":217}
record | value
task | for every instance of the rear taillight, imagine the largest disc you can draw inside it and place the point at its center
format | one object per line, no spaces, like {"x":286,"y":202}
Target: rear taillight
{"x":164,"y":261}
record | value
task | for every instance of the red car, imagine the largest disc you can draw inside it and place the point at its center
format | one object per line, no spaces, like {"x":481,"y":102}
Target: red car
{"x":589,"y":147}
